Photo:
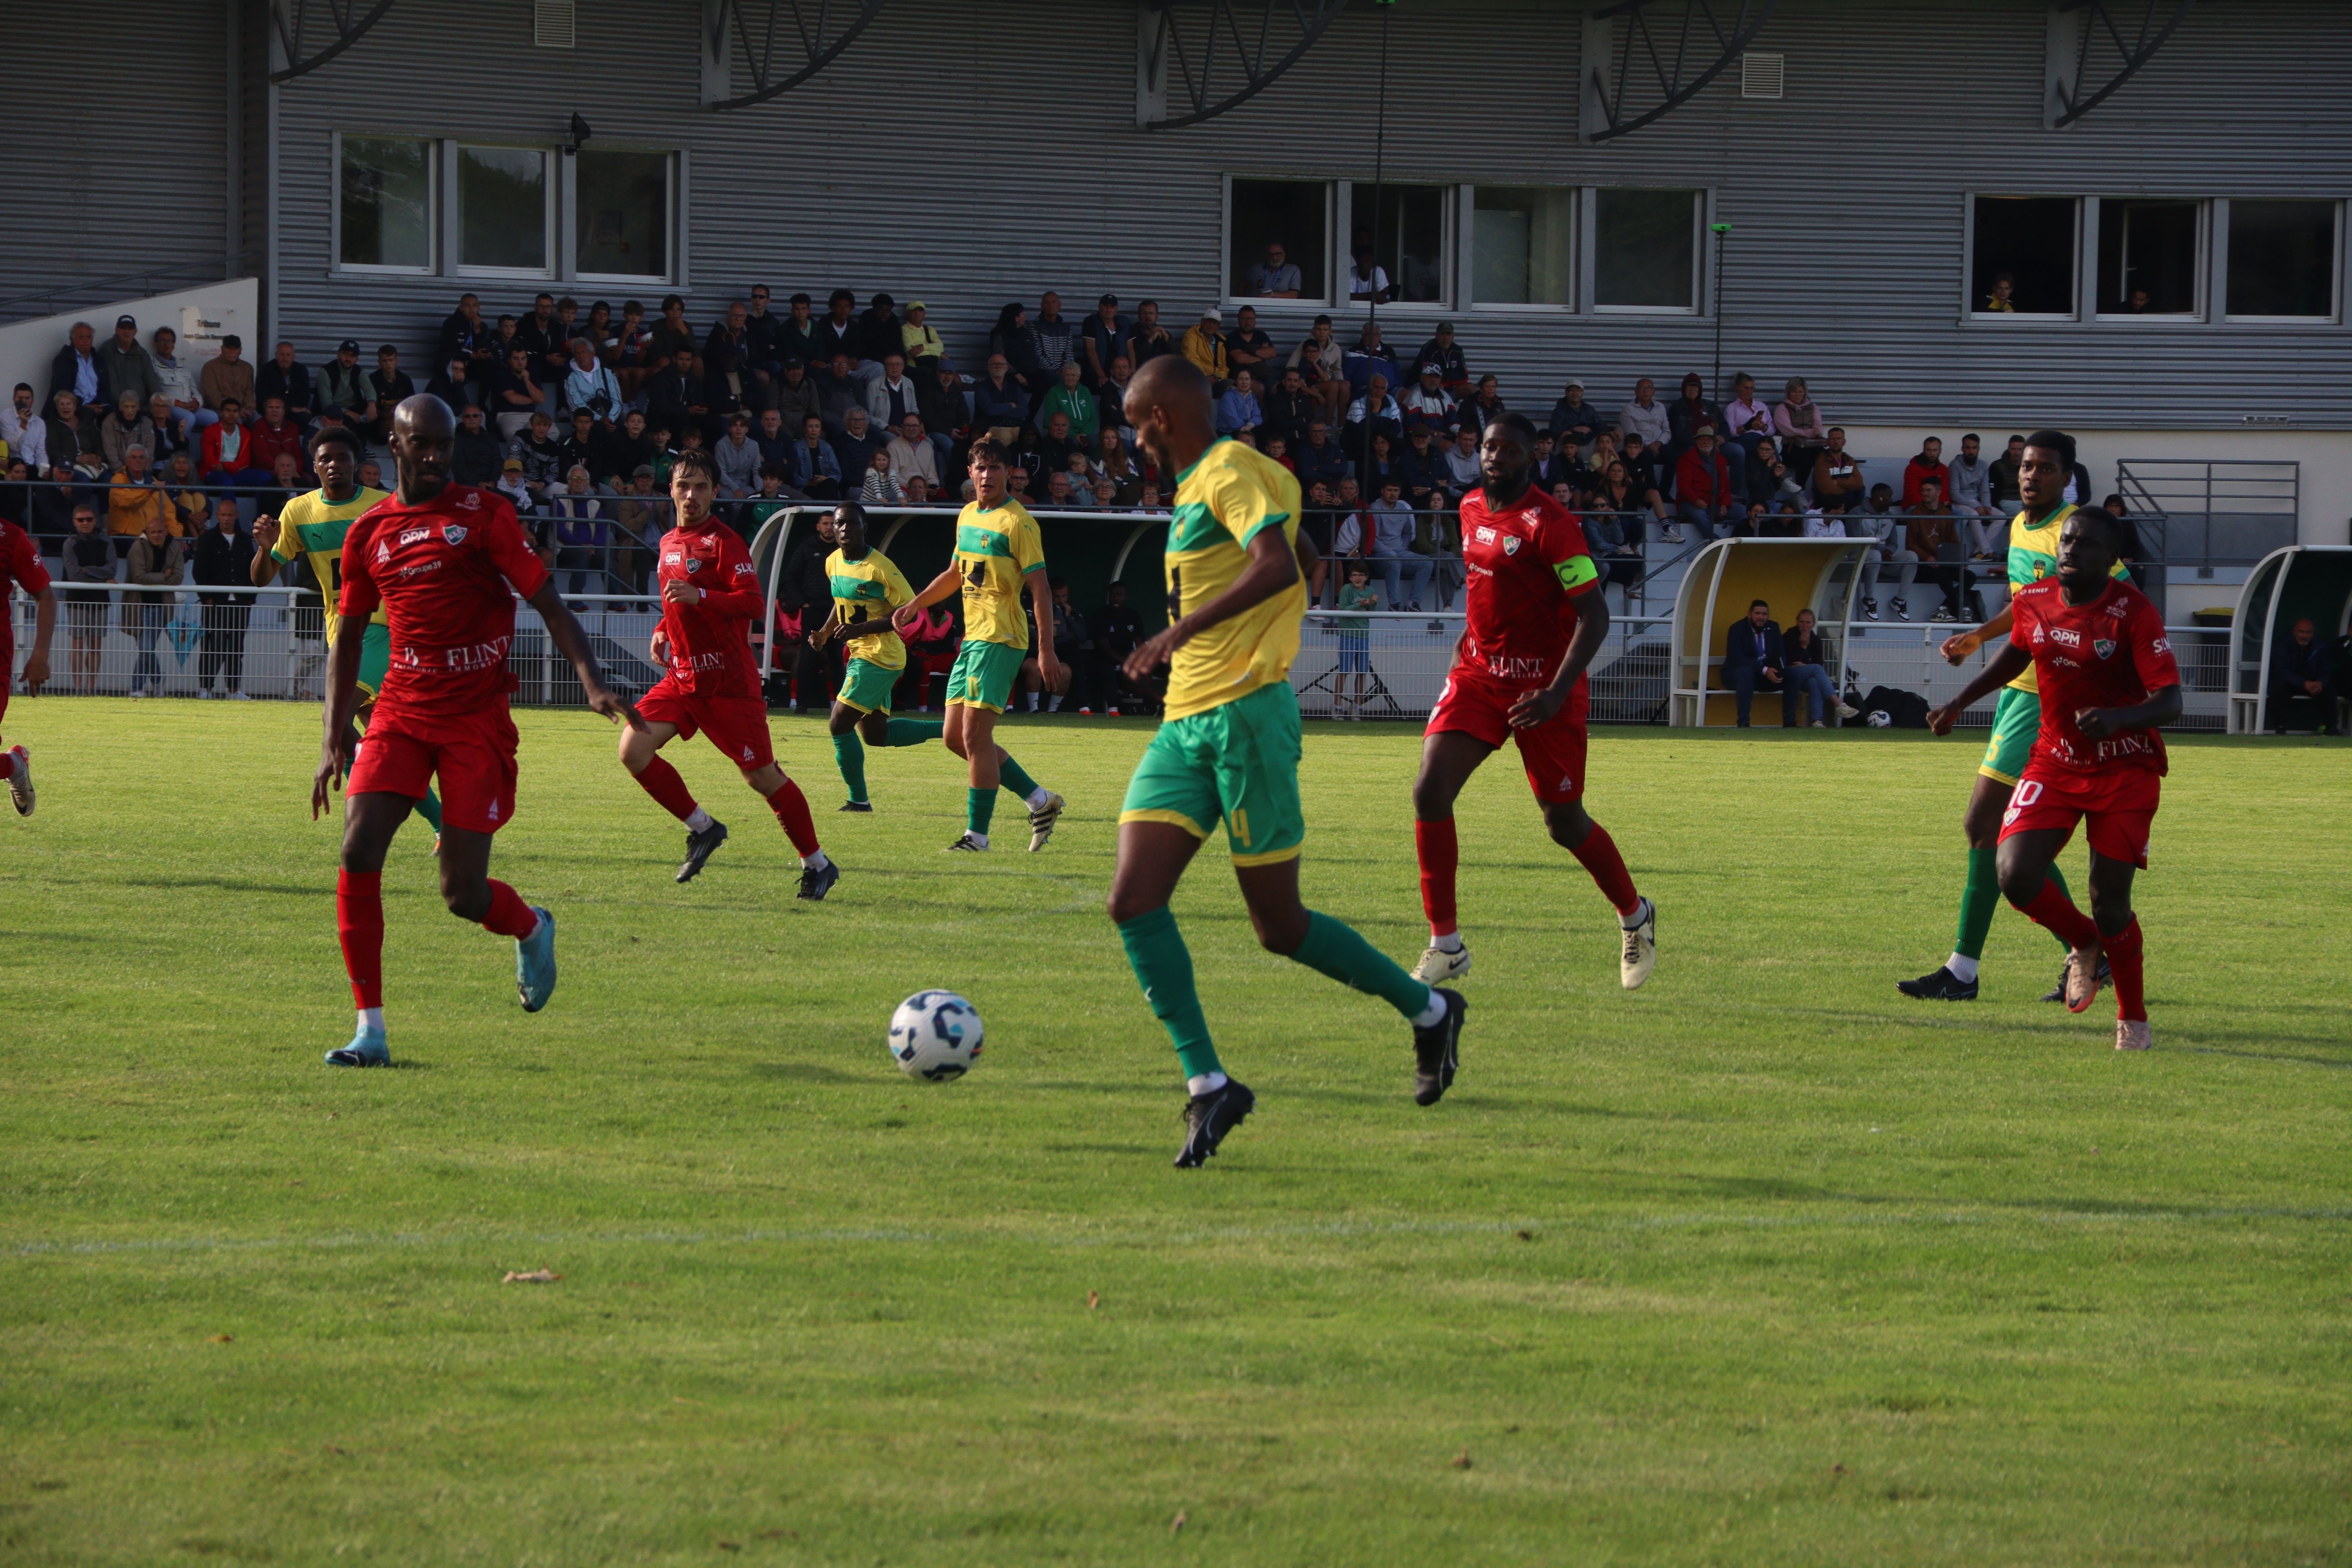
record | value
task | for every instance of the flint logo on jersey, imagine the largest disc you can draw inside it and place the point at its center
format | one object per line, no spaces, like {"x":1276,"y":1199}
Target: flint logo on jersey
{"x":2105,"y":648}
{"x":1516,"y":668}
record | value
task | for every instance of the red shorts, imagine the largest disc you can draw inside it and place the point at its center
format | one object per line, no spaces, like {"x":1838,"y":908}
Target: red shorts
{"x":475,"y":763}
{"x":2120,"y":806}
{"x":1552,"y":751}
{"x":738,"y":726}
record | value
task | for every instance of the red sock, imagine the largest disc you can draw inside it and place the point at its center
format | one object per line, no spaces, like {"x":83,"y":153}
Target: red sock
{"x":661,"y":782}
{"x":2123,"y":953}
{"x":509,"y":915}
{"x":359,"y":921}
{"x":1599,"y":854}
{"x":1434,"y":843}
{"x":791,"y":807}
{"x":2055,"y":912}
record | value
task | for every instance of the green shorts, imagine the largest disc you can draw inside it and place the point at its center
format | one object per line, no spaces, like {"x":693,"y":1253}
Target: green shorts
{"x":2015,"y":722}
{"x":1238,"y":761}
{"x":983,"y":672}
{"x":867,"y":687}
{"x":375,"y":658}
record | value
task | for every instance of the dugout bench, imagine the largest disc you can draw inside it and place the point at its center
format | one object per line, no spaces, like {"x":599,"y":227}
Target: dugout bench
{"x":2285,"y":586}
{"x":1724,"y":579}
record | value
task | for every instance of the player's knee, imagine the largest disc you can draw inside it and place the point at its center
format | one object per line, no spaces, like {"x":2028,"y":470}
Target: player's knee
{"x":468,"y":899}
{"x":765,"y":781}
{"x":2021,"y":882}
{"x":1568,"y":824}
{"x":1124,"y":905}
{"x":1279,"y":931}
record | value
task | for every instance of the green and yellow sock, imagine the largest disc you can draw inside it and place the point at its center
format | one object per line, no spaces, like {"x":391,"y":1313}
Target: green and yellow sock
{"x":913,"y":731}
{"x":980,"y":807}
{"x":1334,"y":948}
{"x":849,"y":756}
{"x":1013,"y":777}
{"x":1977,"y":902}
{"x":1163,"y":966}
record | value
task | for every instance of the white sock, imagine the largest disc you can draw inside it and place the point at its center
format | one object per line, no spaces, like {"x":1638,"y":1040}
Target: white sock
{"x":1634,"y":919}
{"x":699,"y":820}
{"x":1207,"y":1083}
{"x":372,"y":1019}
{"x":1433,"y":1013}
{"x":1038,"y":797}
{"x":1963,"y":969}
{"x":814,"y":861}
{"x":979,"y":838}
{"x":1056,"y":705}
{"x":1450,"y":942}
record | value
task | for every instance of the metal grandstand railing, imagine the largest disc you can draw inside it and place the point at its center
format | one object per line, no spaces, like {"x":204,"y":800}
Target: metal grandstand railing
{"x":2208,"y":512}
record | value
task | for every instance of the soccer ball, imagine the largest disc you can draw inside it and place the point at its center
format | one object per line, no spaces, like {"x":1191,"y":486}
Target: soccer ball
{"x":935,"y":1035}
{"x":1880,"y":719}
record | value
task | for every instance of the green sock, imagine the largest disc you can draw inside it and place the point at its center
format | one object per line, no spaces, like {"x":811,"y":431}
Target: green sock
{"x":429,"y":808}
{"x":2059,"y":879}
{"x":981,"y":805}
{"x":849,"y":755}
{"x":1978,"y":903}
{"x":1336,"y":950}
{"x":1164,"y":968}
{"x":913,"y":731}
{"x":1015,"y":778}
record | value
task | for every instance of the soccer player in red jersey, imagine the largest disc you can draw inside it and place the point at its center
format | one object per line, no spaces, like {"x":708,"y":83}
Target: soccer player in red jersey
{"x":20,"y":567}
{"x":711,"y":595}
{"x":1536,"y":617}
{"x":446,"y":561}
{"x":2108,"y":679}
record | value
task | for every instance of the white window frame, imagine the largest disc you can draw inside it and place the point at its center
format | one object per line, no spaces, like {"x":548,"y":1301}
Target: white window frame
{"x":1467,"y":262}
{"x":335,"y":262}
{"x":551,"y":157}
{"x":1335,"y":211}
{"x":571,"y":272}
{"x":2076,"y":291}
{"x":1589,"y":243}
{"x":2201,"y":312}
{"x":2219,"y":300}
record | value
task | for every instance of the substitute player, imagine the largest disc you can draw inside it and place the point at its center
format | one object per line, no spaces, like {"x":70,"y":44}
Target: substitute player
{"x":2043,"y":469}
{"x":998,"y":552}
{"x":446,"y":561}
{"x":1228,"y":746}
{"x":20,"y":567}
{"x":314,"y":525}
{"x":1535,"y":616}
{"x":2108,"y":680}
{"x":711,"y":595}
{"x":867,"y":590}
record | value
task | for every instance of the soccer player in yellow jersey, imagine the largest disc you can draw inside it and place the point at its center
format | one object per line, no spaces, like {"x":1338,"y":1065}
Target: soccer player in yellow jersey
{"x":998,"y":554}
{"x":314,"y":525}
{"x":866,"y":591}
{"x":1227,"y":748}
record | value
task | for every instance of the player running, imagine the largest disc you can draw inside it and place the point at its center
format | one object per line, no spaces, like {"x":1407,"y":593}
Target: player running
{"x":2043,"y":468}
{"x":314,"y":525}
{"x":20,"y":567}
{"x":1228,"y":747}
{"x":710,"y":598}
{"x":1535,"y":616}
{"x":867,"y":589}
{"x":446,"y":561}
{"x":2107,"y":680}
{"x":998,"y":548}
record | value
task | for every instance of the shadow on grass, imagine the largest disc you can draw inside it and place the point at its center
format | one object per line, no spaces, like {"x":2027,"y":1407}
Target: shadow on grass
{"x":2337,"y":1063}
{"x":803,"y":1072}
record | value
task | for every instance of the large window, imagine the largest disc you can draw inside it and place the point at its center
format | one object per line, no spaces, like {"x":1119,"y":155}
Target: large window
{"x":1645,"y":250}
{"x":2149,"y":258}
{"x":1295,"y":215}
{"x":383,"y":204}
{"x":1522,"y":239}
{"x":504,"y":210}
{"x":623,"y":214}
{"x":2022,"y":256}
{"x":1411,"y":247}
{"x":2283,"y":259}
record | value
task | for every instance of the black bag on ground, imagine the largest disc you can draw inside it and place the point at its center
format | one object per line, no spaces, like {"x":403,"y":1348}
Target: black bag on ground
{"x":1909,"y":709}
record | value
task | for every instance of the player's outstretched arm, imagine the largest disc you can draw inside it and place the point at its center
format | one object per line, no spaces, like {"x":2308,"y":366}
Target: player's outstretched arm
{"x":335,"y":745}
{"x":1958,"y":646}
{"x":1272,"y":566}
{"x":946,"y":584}
{"x":44,"y":626}
{"x":2161,"y":707}
{"x":1592,"y":609}
{"x":573,"y":644}
{"x":2006,"y":667}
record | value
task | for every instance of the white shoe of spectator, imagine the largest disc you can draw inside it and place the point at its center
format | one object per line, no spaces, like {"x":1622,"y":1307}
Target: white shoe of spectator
{"x":1902,"y":610}
{"x":240,"y":697}
{"x":1847,"y":710}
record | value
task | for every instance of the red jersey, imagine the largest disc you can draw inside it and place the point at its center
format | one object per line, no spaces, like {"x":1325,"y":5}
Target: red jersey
{"x":2109,"y":653}
{"x":20,"y":563}
{"x":1523,"y":564}
{"x":711,"y":641}
{"x":442,"y":570}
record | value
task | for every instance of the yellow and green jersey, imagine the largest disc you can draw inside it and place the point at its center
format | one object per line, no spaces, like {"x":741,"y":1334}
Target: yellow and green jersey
{"x":996,"y":549}
{"x":1228,"y":498}
{"x":314,"y":526}
{"x":2033,"y":555}
{"x":867,"y":590}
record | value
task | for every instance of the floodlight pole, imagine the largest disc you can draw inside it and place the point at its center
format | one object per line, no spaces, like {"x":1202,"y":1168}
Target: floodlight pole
{"x":1722,"y":232}
{"x":1373,"y":301}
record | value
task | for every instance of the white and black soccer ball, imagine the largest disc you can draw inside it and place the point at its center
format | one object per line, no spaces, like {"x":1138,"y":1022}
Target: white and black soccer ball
{"x":1879,"y":719}
{"x":935,"y":1035}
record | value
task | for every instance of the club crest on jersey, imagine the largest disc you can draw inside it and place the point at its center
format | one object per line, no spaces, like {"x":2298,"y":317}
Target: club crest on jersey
{"x":693,"y":565}
{"x":453,"y":534}
{"x":1510,"y":544}
{"x":2104,"y":646}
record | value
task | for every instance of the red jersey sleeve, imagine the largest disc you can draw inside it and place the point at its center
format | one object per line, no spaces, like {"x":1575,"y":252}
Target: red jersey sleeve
{"x":741,"y":595}
{"x":25,"y":562}
{"x":2151,"y":649}
{"x":1568,"y":555}
{"x":360,"y":596}
{"x":508,"y":548}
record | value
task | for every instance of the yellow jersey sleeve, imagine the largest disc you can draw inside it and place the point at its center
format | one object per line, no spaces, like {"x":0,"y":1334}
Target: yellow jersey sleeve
{"x":1230,"y":496}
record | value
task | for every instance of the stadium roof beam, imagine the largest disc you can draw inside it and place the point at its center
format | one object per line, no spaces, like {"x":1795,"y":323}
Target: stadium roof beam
{"x":1262,"y":40}
{"x":817,"y":31}
{"x":2076,"y":27}
{"x":289,"y":32}
{"x":1682,"y":55}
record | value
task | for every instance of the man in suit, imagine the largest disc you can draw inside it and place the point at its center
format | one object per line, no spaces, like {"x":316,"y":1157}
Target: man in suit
{"x":2302,"y":696}
{"x":1752,"y":655}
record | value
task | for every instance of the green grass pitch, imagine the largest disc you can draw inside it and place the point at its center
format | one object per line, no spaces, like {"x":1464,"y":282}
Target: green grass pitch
{"x":1762,"y":1265}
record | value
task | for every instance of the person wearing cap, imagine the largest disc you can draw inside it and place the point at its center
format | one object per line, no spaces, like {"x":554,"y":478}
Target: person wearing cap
{"x":227,"y":375}
{"x":1703,"y":492}
{"x":875,"y":334}
{"x":123,"y":366}
{"x":1573,"y":418}
{"x":1685,"y":414}
{"x":1204,"y":345}
{"x":1247,"y":346}
{"x":388,"y":387}
{"x":515,"y":487}
{"x":1104,"y":338}
{"x":924,"y":349}
{"x":795,"y":395}
{"x":344,"y":385}
{"x":1443,"y":351}
{"x":1429,"y":406}
{"x":1277,"y":277}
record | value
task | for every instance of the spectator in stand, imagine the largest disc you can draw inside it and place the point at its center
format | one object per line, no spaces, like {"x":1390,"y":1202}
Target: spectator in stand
{"x":1550,"y":467}
{"x":1238,"y":414}
{"x":1753,"y":656}
{"x":2001,"y":302}
{"x":1054,"y":444}
{"x":670,"y":336}
{"x":1053,"y":342}
{"x":1422,"y":468}
{"x":223,"y":559}
{"x":1797,"y":421}
{"x":1645,"y":469}
{"x":514,"y":394}
{"x":729,"y":334}
{"x":76,"y":368}
{"x":1375,"y":413}
{"x":517,"y":489}
{"x":180,"y":481}
{"x":1000,"y":404}
{"x":1749,"y":421}
{"x":226,"y":376}
{"x":1573,"y":417}
{"x":1484,"y":406}
{"x":137,"y":500}
{"x":1932,"y":530}
{"x":1204,"y":345}
{"x":1248,"y":347}
{"x":1462,"y":460}
{"x":1115,"y":630}
{"x":157,"y":562}
{"x":343,"y":387}
{"x":1290,"y":408}
{"x":72,"y":439}
{"x":1685,"y":417}
{"x":475,"y":454}
{"x":794,"y":395}
{"x":584,"y":445}
{"x":125,"y":427}
{"x":590,"y":383}
{"x":814,"y":468}
{"x":463,"y":334}
{"x":1322,"y":364}
{"x":762,"y":337}
{"x":226,"y":449}
{"x":1321,"y":458}
{"x":628,"y":446}
{"x":631,"y":351}
{"x":1381,"y":463}
{"x":388,"y":387}
{"x":1277,"y":277}
{"x":286,"y":378}
{"x":939,"y":399}
{"x":1644,"y":417}
{"x":727,"y":386}
{"x":23,"y":428}
{"x":1367,"y":279}
{"x":739,"y":459}
{"x":920,"y":343}
{"x":774,"y":440}
{"x":855,"y":445}
{"x":2301,"y":689}
{"x":581,"y":533}
{"x":1614,"y":498}
{"x":1104,"y":337}
{"x":1437,"y":538}
{"x":1386,"y":543}
{"x":1928,"y":465}
{"x":1809,"y":677}
{"x":85,"y":556}
{"x":2003,"y":475}
{"x":1971,"y":496}
{"x":796,"y":336}
{"x":1442,"y":351}
{"x":541,"y":455}
{"x":168,"y":436}
{"x":912,"y":456}
{"x":1429,"y":406}
{"x":1838,"y":484}
{"x":1765,"y":482}
{"x":1369,"y":358}
{"x":177,"y":383}
{"x":836,"y":331}
{"x":837,"y":392}
{"x":452,"y":385}
{"x":892,"y":396}
{"x":276,"y":436}
{"x":1703,"y":498}
{"x":1151,"y":340}
{"x":639,"y":516}
{"x":1877,"y":520}
{"x":123,"y":366}
{"x":1070,"y":397}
